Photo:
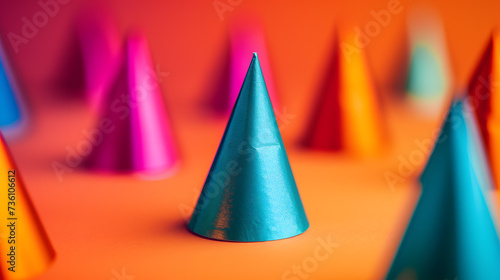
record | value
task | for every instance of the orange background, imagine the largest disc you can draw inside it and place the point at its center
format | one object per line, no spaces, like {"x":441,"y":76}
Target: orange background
{"x":101,"y":224}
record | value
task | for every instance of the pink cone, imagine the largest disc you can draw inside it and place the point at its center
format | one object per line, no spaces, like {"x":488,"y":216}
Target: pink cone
{"x":246,"y":37}
{"x":100,"y":47}
{"x":137,"y":135}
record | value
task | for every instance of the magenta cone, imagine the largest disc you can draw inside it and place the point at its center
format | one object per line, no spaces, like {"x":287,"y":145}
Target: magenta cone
{"x":247,"y":37}
{"x":136,"y":133}
{"x":69,"y":75}
{"x":100,"y":47}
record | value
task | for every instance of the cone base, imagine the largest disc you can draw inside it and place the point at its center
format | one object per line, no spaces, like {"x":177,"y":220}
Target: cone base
{"x":211,"y":237}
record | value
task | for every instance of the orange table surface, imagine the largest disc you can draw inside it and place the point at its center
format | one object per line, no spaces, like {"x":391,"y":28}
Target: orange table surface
{"x":105,"y":227}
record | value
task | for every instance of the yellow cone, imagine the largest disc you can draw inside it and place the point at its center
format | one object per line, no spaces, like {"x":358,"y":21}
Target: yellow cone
{"x":25,"y":250}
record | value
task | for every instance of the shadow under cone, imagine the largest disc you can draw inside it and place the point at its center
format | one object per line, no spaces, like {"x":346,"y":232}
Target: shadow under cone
{"x":451,"y":234}
{"x":33,"y":251}
{"x":250,"y":192}
{"x":135,"y":132}
{"x":347,"y":113}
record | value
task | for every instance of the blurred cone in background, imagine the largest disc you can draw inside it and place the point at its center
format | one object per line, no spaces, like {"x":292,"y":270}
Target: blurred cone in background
{"x":136,"y":134}
{"x":451,"y":234}
{"x":91,"y":58}
{"x":218,"y":96}
{"x":100,"y":46}
{"x":484,"y":95}
{"x":69,"y":74}
{"x":245,"y":37}
{"x":33,"y":252}
{"x":347,"y":114}
{"x":250,"y":193}
{"x":11,"y":109}
{"x":429,"y":75}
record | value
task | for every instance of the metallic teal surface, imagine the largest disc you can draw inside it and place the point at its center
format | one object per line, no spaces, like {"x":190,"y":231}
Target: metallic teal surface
{"x":250,"y":193}
{"x":452,"y":234}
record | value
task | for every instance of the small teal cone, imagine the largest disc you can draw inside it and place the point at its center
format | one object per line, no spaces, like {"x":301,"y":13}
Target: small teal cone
{"x":451,"y":234}
{"x":250,"y":193}
{"x":426,"y":76}
{"x":10,"y":114}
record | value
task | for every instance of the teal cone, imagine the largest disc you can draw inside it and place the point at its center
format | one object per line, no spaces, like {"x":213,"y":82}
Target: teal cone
{"x":451,"y":234}
{"x":250,"y":194}
{"x":426,"y":76}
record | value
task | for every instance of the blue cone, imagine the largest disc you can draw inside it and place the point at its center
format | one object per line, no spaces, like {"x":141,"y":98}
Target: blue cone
{"x":451,"y":234}
{"x":250,"y":194}
{"x":10,"y":114}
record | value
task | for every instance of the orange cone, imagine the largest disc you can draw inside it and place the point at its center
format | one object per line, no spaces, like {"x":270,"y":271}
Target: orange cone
{"x":25,"y":250}
{"x":484,"y":95}
{"x":347,"y":114}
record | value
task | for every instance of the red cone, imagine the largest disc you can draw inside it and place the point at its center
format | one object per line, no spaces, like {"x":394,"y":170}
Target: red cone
{"x":347,"y":114}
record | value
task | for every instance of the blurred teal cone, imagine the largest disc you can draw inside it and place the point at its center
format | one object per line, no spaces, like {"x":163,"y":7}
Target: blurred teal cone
{"x":451,"y":234}
{"x":250,"y":193}
{"x":426,"y":76}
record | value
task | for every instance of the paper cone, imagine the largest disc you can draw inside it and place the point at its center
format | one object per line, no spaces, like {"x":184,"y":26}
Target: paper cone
{"x":347,"y":113}
{"x":33,"y":252}
{"x":484,"y":96}
{"x":11,"y":109}
{"x":137,"y":136}
{"x":451,"y":234}
{"x":250,"y":193}
{"x":429,"y":75}
{"x":69,"y":73}
{"x":100,"y":47}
